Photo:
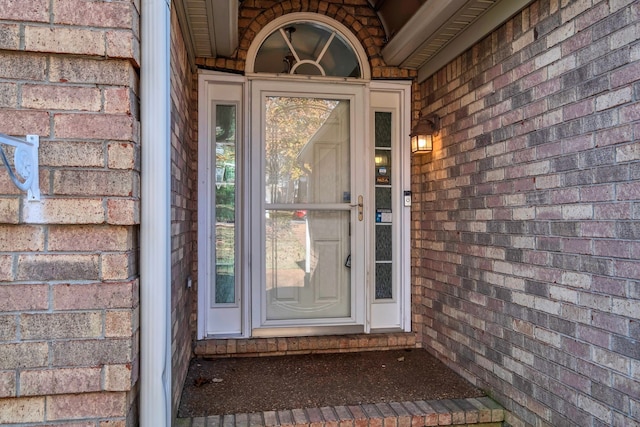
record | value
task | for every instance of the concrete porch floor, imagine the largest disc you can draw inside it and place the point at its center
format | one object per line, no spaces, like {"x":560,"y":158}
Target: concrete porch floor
{"x":393,"y":388}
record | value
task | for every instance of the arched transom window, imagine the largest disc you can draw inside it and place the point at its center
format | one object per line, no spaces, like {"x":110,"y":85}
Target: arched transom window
{"x":297,"y":45}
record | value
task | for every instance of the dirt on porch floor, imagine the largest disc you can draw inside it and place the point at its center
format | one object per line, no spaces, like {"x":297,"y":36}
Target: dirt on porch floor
{"x":252,"y":384}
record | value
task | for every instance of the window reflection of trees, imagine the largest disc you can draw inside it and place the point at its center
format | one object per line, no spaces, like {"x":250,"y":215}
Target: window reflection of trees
{"x":290,"y":124}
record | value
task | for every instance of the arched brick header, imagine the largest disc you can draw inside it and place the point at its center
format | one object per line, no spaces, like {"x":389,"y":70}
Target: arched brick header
{"x":357,"y":15}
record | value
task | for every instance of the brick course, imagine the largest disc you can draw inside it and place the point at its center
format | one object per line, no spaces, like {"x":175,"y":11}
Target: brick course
{"x":534,"y":188}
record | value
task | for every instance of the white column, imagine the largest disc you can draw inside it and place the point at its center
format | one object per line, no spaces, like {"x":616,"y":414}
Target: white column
{"x":155,"y":232}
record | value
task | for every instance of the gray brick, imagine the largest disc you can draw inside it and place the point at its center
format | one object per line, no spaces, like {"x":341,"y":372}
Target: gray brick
{"x":514,"y":227}
{"x":617,"y":173}
{"x":565,"y":228}
{"x":538,"y":228}
{"x":565,"y":163}
{"x":549,"y":244}
{"x":534,"y":49}
{"x":533,"y":287}
{"x":494,"y":356}
{"x":485,"y":164}
{"x":626,"y":346}
{"x":503,"y":294}
{"x":483,"y":239}
{"x":610,"y":62}
{"x":539,"y":137}
{"x":598,"y":157}
{"x":610,"y":396}
{"x":628,"y":230}
{"x":593,"y":51}
{"x":512,"y":62}
{"x":511,"y":90}
{"x":593,"y":87}
{"x":562,"y":326}
{"x":600,"y":266}
{"x":514,"y":255}
{"x":634,"y":330}
{"x":610,"y":24}
{"x":577,"y":77}
{"x":548,"y":24}
{"x":567,"y":262}
{"x":562,"y":98}
{"x":502,"y":133}
{"x":577,"y":178}
{"x":569,"y":129}
{"x":522,"y":384}
{"x":538,"y":198}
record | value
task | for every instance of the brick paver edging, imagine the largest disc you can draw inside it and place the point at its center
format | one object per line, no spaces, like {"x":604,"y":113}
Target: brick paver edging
{"x":477,"y":412}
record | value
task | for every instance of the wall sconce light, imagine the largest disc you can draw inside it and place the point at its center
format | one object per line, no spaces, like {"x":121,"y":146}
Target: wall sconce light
{"x":422,"y":134}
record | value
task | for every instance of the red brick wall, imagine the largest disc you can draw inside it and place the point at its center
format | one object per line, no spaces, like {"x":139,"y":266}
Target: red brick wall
{"x":68,"y":264}
{"x":527,"y":223}
{"x":184,"y":95}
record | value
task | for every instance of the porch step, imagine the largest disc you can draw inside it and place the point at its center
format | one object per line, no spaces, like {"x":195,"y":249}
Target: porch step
{"x":304,"y":345}
{"x":477,"y":412}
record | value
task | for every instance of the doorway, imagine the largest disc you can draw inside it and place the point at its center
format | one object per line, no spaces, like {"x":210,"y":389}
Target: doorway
{"x":303,"y":217}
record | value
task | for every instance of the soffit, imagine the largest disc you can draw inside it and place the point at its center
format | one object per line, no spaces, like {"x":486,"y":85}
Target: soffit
{"x":423,"y":34}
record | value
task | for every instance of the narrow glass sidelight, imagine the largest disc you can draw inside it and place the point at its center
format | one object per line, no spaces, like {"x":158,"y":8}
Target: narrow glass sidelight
{"x":225,"y":205}
{"x":383,"y":202}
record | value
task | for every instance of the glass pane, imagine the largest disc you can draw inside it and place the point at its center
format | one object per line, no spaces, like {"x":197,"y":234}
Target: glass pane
{"x":384,"y":214}
{"x":383,"y":242}
{"x":307,"y":150}
{"x":307,"y":155}
{"x":319,"y":46}
{"x":383,"y":129}
{"x":384,"y":285}
{"x":307,"y":272}
{"x":225,"y":206}
{"x":383,"y":198}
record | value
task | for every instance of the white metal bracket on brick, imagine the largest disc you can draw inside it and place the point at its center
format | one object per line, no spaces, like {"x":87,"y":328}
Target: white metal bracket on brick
{"x":25,"y":162}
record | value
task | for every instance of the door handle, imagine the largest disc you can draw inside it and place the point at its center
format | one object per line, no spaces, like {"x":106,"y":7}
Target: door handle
{"x":360,"y":206}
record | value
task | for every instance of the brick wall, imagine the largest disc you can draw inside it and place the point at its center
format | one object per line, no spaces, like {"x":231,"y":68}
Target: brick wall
{"x":68,"y":264}
{"x":526,"y":229}
{"x":184,"y":93}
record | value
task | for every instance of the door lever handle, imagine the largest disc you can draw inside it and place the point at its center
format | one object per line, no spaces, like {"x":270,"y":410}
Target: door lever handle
{"x":360,"y":206}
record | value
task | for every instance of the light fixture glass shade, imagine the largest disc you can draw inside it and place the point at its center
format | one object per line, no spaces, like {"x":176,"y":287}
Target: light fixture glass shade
{"x":422,"y":134}
{"x":421,"y":143}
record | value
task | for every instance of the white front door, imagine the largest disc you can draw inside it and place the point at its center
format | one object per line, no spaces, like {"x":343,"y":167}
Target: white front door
{"x":308,"y":149}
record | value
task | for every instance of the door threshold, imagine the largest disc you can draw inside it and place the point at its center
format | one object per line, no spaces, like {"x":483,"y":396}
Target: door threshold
{"x":301,"y":331}
{"x":278,"y":346}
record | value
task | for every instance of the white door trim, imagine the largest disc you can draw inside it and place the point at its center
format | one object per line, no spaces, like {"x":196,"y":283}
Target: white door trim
{"x":206,"y":222}
{"x":396,"y":313}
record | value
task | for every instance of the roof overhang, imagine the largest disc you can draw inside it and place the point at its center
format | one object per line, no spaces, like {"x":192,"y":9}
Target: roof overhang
{"x":425,"y":34}
{"x":210,"y":27}
{"x":441,"y":30}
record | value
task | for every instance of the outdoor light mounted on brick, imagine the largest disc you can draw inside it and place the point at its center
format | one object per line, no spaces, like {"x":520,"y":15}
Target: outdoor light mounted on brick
{"x":422,"y":134}
{"x":25,"y":163}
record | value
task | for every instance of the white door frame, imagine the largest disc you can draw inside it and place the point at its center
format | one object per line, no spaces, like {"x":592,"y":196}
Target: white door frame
{"x":394,"y":314}
{"x":252,"y":223}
